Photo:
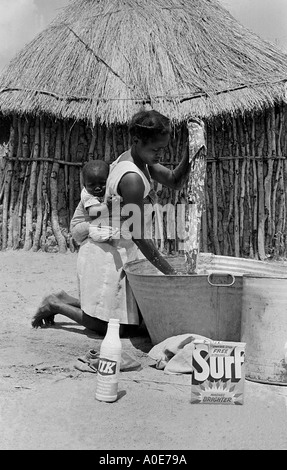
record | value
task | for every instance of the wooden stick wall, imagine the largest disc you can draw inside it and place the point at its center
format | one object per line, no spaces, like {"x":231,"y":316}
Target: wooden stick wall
{"x":245,"y":195}
{"x":246,"y":186}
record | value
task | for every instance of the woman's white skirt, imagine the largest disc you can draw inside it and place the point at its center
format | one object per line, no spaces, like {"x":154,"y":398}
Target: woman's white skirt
{"x":103,"y":287}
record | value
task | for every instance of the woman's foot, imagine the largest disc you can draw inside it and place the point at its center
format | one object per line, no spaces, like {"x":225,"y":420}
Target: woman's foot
{"x":46,"y":312}
{"x":48,"y":309}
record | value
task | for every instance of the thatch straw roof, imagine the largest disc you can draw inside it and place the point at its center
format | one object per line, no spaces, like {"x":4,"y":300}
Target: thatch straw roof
{"x":101,"y":59}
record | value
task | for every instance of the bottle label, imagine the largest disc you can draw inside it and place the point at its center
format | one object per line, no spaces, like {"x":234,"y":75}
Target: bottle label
{"x":107,"y":367}
{"x":106,"y":390}
{"x":107,"y":381}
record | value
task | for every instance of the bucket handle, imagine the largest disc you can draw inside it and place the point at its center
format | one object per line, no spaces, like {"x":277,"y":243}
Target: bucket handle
{"x":220,"y":274}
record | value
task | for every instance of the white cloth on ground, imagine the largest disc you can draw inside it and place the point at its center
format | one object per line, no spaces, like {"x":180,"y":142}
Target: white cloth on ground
{"x":174,"y":354}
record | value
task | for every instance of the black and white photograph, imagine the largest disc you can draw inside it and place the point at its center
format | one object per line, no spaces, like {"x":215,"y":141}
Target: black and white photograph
{"x":143,"y":228}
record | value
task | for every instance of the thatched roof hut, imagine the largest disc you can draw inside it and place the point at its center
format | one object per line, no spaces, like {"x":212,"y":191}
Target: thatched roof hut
{"x":99,"y":60}
{"x":72,"y":90}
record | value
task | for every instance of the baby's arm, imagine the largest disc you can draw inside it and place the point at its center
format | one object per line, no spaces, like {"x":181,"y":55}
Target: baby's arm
{"x":97,"y":211}
{"x":80,"y":232}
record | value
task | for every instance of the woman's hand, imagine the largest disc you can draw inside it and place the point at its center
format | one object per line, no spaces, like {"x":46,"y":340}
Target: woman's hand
{"x":150,"y":251}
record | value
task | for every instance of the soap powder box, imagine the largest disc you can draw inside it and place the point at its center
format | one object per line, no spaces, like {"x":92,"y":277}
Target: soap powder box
{"x":218,"y":373}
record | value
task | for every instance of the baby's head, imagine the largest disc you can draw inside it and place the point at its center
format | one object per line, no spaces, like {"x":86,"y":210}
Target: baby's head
{"x":95,"y":174}
{"x":150,"y":132}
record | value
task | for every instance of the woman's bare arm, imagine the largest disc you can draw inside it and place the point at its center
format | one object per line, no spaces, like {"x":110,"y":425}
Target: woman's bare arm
{"x":173,"y":179}
{"x":176,"y":178}
{"x":131,"y":189}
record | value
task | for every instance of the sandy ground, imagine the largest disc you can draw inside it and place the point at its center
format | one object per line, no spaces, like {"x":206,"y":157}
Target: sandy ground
{"x":47,"y":404}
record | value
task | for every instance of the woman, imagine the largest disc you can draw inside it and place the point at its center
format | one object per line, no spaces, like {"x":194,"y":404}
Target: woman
{"x":103,"y":290}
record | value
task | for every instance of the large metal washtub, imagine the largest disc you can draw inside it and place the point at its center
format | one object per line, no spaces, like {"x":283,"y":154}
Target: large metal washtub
{"x":208,"y":303}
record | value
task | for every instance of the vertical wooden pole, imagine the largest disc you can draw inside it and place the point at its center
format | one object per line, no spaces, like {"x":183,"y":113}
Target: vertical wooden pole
{"x":67,"y":135}
{"x":80,"y":155}
{"x":54,"y":193}
{"x":242,"y":192}
{"x":231,"y":190}
{"x":204,"y":227}
{"x":25,"y":177}
{"x":282,"y":148}
{"x":7,"y":183}
{"x":108,"y":145}
{"x":224,"y":202}
{"x":214,"y":195}
{"x":208,"y":205}
{"x":248,"y":198}
{"x":100,"y":141}
{"x":225,"y":182}
{"x":125,"y":138}
{"x":73,"y":152}
{"x":279,"y":241}
{"x":255,"y":191}
{"x":271,"y":150}
{"x":261,"y":202}
{"x":32,"y":189}
{"x":196,"y":183}
{"x":39,"y":192}
{"x":16,"y":225}
{"x":236,"y":178}
{"x":45,"y":186}
{"x":114,"y":131}
{"x":15,"y":183}
{"x":67,"y":156}
{"x":93,"y":143}
{"x":3,"y":165}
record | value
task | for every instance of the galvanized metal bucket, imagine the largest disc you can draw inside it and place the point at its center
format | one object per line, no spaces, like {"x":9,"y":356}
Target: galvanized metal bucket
{"x":208,"y":303}
{"x":264,"y":328}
